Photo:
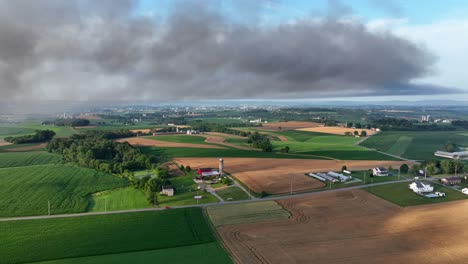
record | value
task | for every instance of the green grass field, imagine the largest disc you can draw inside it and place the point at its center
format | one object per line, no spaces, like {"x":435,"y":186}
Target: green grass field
{"x":320,"y":145}
{"x":170,"y":152}
{"x":26,"y":190}
{"x":18,"y":159}
{"x":26,"y":128}
{"x":10,"y":130}
{"x":232,"y":193}
{"x":120,"y":199}
{"x":246,"y":213}
{"x":208,"y":253}
{"x":400,"y":194}
{"x":419,"y":145}
{"x":185,"y":190}
{"x":135,"y":234}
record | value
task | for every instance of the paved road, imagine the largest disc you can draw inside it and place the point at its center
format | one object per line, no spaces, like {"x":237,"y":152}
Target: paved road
{"x":271,"y":198}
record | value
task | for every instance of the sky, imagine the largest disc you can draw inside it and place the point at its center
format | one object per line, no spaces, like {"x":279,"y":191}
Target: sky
{"x":156,"y":50}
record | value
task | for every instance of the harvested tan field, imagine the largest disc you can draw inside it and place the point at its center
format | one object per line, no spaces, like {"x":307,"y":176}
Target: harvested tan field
{"x":145,"y":130}
{"x":139,"y":141}
{"x":28,"y":148}
{"x":4,"y":143}
{"x":274,"y":175}
{"x":90,"y":117}
{"x":336,"y":130}
{"x":223,"y":135}
{"x":282,"y":138}
{"x":291,"y":125}
{"x":353,"y":227}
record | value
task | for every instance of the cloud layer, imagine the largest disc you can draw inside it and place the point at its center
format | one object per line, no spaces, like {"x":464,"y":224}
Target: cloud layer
{"x":101,"y":50}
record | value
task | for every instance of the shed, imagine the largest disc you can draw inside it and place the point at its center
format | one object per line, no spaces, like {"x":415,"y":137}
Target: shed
{"x":167,"y":190}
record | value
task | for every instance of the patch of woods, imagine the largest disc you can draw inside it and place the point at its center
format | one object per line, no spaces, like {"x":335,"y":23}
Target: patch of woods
{"x":74,"y":122}
{"x":401,"y":124}
{"x":441,"y":167}
{"x":98,"y":150}
{"x":260,"y":141}
{"x":39,"y":136}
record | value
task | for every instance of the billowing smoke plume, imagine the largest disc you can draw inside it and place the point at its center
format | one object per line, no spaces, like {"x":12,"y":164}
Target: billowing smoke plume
{"x":102,"y":50}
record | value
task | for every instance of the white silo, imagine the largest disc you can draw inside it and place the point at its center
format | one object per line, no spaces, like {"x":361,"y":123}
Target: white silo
{"x":221,"y":167}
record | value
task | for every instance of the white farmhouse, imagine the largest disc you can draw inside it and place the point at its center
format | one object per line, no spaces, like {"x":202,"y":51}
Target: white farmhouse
{"x":380,"y":171}
{"x":420,"y":187}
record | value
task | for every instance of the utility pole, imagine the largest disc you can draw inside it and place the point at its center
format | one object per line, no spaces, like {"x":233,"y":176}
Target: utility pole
{"x":364,"y":177}
{"x":105,"y":204}
{"x":425,"y":172}
{"x":48,"y":207}
{"x":399,"y":173}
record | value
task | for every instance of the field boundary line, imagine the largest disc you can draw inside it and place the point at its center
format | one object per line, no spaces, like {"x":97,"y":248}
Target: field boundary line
{"x":217,"y":236}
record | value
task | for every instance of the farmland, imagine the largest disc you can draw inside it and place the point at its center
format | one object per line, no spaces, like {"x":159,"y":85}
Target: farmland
{"x":419,"y":145}
{"x":120,"y":199}
{"x":352,"y":227}
{"x":400,"y":194}
{"x":246,"y":213}
{"x":18,"y":159}
{"x":143,"y":141}
{"x":274,"y":176}
{"x":30,"y":127}
{"x":27,"y":190}
{"x":336,"y":130}
{"x":320,"y":145}
{"x":109,"y":235}
{"x":209,"y":253}
{"x":232,"y":193}
{"x":185,"y":190}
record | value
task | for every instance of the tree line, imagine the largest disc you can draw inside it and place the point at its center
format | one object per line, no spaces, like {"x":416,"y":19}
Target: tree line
{"x":98,"y":150}
{"x":442,"y":167}
{"x":74,"y":122}
{"x":39,"y":136}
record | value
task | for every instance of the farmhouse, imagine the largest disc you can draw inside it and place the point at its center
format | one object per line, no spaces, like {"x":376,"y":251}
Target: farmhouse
{"x":167,"y":190}
{"x":451,"y":180}
{"x":420,"y":187}
{"x":380,"y":171}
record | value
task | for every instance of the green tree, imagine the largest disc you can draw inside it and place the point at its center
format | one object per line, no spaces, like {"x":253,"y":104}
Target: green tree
{"x":344,"y":168}
{"x":404,"y":168}
{"x":363,"y":133}
{"x":356,"y":133}
{"x":457,"y":166}
{"x":446,"y":166}
{"x":415,"y":168}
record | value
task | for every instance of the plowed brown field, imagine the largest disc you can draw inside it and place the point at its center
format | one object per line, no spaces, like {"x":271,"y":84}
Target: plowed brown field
{"x":353,"y":227}
{"x":274,"y":175}
{"x":4,"y":143}
{"x":28,"y":148}
{"x":336,"y":130}
{"x":139,"y":141}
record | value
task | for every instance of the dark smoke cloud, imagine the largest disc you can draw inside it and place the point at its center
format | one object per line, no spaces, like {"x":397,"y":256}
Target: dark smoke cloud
{"x":101,"y":50}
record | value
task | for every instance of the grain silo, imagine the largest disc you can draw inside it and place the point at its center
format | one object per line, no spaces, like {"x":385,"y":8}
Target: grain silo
{"x":221,"y":167}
